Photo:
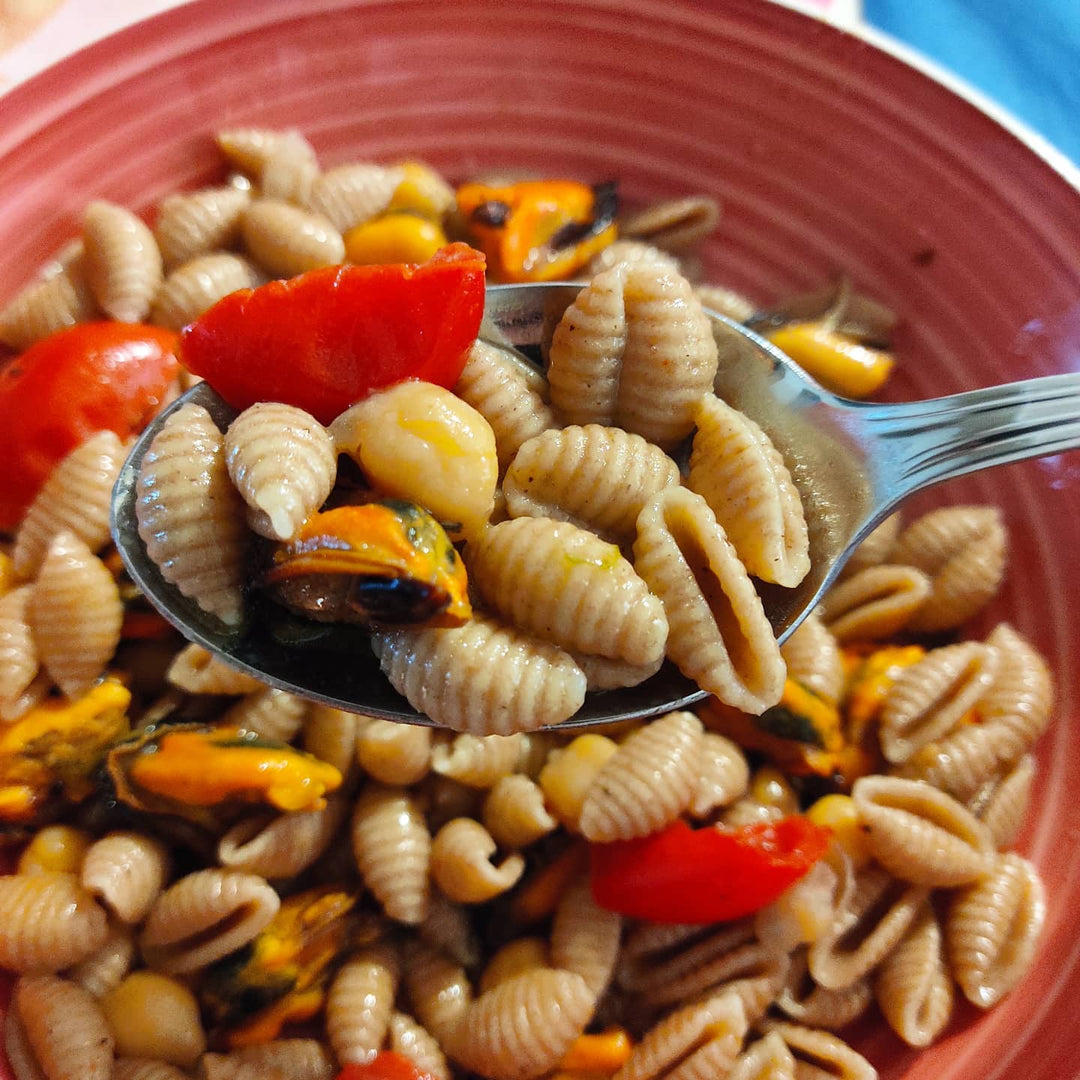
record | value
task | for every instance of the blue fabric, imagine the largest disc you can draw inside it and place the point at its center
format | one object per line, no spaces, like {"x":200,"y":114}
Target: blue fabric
{"x":1024,"y":55}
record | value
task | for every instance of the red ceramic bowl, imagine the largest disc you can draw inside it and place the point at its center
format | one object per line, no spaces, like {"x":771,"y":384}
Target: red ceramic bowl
{"x":828,"y":152}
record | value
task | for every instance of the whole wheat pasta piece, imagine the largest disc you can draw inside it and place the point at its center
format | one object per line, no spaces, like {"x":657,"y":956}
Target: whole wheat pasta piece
{"x":285,"y":845}
{"x":394,"y":753}
{"x":822,"y":1051}
{"x":122,"y":260}
{"x":992,"y":930}
{"x":725,"y":301}
{"x":514,"y":813}
{"x":477,"y":761}
{"x":484,"y":677}
{"x":330,"y":735}
{"x":18,"y":653}
{"x":803,"y":1001}
{"x":290,"y":170}
{"x":665,"y":952}
{"x":874,"y":603}
{"x":865,"y":929}
{"x":393,"y":851}
{"x":628,"y":252}
{"x":931,"y":697}
{"x":197,"y":284}
{"x":913,"y":987}
{"x":509,"y":393}
{"x":104,"y":970}
{"x":197,"y":671}
{"x":647,"y":783}
{"x":524,"y":1026}
{"x":226,"y":1067}
{"x":801,"y":913}
{"x":448,"y":929}
{"x":1021,"y":697}
{"x":592,"y":476}
{"x":586,"y":352}
{"x":126,"y":871}
{"x":196,"y":223}
{"x":742,"y":476}
{"x":413,"y":1041}
{"x":125,"y":1068}
{"x":269,"y":713}
{"x":75,"y":614}
{"x":566,"y":585}
{"x":674,"y":224}
{"x":921,"y":834}
{"x":297,"y":1059}
{"x":670,"y":357}
{"x":439,"y":989}
{"x":669,"y":1047}
{"x":75,"y":498}
{"x":1002,"y":804}
{"x":17,"y":1051}
{"x":359,"y":1003}
{"x":250,"y":148}
{"x":65,"y":1028}
{"x":44,"y":307}
{"x":205,"y":916}
{"x":461,"y":863}
{"x":602,"y":673}
{"x":349,"y":195}
{"x":812,"y":656}
{"x":285,"y":240}
{"x":718,"y":635}
{"x":766,"y":1059}
{"x":190,"y":516}
{"x":48,"y":922}
{"x":283,"y":463}
{"x":585,"y":937}
{"x":962,"y":549}
{"x":876,"y":548}
{"x":723,"y":775}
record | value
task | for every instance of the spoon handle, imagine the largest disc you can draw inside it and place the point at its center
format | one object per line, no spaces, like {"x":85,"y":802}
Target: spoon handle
{"x":925,"y":442}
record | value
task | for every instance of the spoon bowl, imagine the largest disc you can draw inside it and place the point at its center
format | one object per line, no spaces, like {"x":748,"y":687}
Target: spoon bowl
{"x":853,"y":463}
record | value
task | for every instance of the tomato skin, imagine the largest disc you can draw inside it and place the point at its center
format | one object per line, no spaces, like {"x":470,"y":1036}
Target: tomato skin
{"x":326,"y":339}
{"x":102,"y":376}
{"x":386,"y":1066}
{"x":685,"y":875}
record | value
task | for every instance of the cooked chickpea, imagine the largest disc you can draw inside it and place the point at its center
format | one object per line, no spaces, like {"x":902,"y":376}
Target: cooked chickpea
{"x":153,"y":1016}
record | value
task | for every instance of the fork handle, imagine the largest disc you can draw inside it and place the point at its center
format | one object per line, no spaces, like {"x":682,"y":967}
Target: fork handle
{"x":920,"y":443}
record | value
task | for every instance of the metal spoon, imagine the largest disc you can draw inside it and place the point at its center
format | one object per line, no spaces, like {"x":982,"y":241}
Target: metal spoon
{"x":852,"y":462}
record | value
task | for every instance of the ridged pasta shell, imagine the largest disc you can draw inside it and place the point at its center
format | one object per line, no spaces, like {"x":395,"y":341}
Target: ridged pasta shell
{"x":64,"y":1027}
{"x":148,"y":1069}
{"x":585,"y":937}
{"x":249,"y":149}
{"x":962,"y":549}
{"x":603,"y":673}
{"x":628,"y":252}
{"x":330,"y":735}
{"x":123,"y":263}
{"x":509,"y":394}
{"x":875,"y":603}
{"x":723,"y":775}
{"x":566,"y":585}
{"x":1003,"y":807}
{"x":48,"y":922}
{"x":394,"y":753}
{"x":288,"y":175}
{"x":514,"y":813}
{"x":477,"y":761}
{"x":284,"y":464}
{"x":359,"y":1004}
{"x":461,"y":864}
{"x":76,"y":497}
{"x":296,"y":1059}
{"x":803,"y":912}
{"x":674,"y":224}
{"x":812,"y":656}
{"x":718,"y":635}
{"x":647,"y":783}
{"x":191,"y":517}
{"x":992,"y":930}
{"x":743,"y":478}
{"x":226,"y":1067}
{"x":439,"y":989}
{"x":105,"y":969}
{"x":807,"y":1003}
{"x":198,"y":284}
{"x":198,"y":222}
{"x":876,"y":549}
{"x":821,"y":1051}
{"x":725,"y":301}
{"x":1021,"y":697}
{"x":416,"y":1044}
{"x":351,"y":194}
{"x":44,"y":307}
{"x":127,"y":872}
{"x":766,"y":1059}
{"x":198,"y":671}
{"x":392,"y":846}
{"x":269,"y":713}
{"x":913,"y":987}
{"x":17,"y":1050}
{"x":75,"y":613}
{"x":482,"y":677}
{"x":286,"y":241}
{"x":524,"y":1026}
{"x":965,"y":759}
{"x":205,"y":916}
{"x":595,"y":477}
{"x":921,"y":834}
{"x":18,"y":653}
{"x":931,"y":697}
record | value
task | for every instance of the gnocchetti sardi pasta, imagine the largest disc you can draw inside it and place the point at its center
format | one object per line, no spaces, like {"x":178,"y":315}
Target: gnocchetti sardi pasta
{"x":214,"y":877}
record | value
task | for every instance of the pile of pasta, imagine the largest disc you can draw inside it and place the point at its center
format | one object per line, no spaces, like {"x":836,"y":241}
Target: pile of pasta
{"x":437,"y":902}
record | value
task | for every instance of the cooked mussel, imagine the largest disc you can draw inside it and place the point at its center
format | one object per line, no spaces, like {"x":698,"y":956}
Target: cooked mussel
{"x":382,"y":562}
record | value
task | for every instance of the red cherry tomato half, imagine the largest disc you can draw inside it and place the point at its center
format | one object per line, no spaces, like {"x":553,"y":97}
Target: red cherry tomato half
{"x":385,"y":1066}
